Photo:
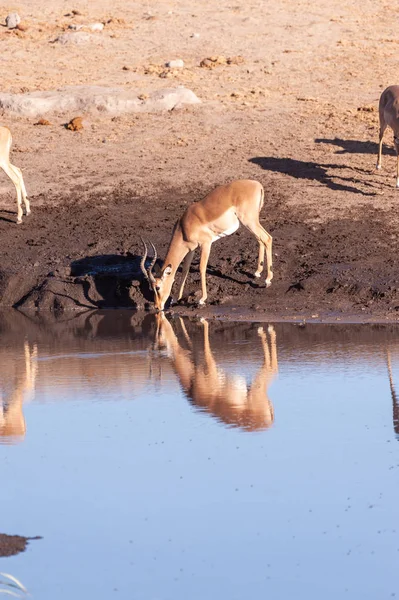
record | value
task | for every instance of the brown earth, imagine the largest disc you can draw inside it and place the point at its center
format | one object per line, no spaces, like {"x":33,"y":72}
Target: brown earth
{"x":297,"y":112}
{"x":13,"y":544}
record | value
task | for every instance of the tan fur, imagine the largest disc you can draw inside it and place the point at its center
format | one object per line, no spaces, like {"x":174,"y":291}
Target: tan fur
{"x":13,"y":172}
{"x":213,"y":217}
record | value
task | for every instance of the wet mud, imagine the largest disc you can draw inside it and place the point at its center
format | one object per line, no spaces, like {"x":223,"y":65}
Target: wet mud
{"x":71,"y":254}
{"x":13,"y":544}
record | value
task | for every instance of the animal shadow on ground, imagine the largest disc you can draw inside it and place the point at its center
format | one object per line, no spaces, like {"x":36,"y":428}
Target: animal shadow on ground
{"x":311,"y":171}
{"x":7,"y":212}
{"x":112,"y":280}
{"x":356,"y":146}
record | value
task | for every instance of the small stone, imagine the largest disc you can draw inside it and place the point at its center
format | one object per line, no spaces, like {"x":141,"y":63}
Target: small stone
{"x":195,"y":35}
{"x":75,"y":124}
{"x":42,"y":122}
{"x":95,"y":26}
{"x":22,"y":27}
{"x":12,"y":20}
{"x":175,"y":64}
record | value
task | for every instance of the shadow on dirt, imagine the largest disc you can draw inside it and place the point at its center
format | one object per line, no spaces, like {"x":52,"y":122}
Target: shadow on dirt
{"x":356,"y":146}
{"x":102,"y":281}
{"x":311,"y":171}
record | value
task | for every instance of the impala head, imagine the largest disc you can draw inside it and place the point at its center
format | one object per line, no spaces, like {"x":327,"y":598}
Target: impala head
{"x":161,"y":286}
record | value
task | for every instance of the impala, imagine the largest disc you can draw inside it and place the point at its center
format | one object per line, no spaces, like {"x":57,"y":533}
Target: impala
{"x":13,"y":172}
{"x":389,"y":115}
{"x":217,"y":215}
{"x":223,"y":394}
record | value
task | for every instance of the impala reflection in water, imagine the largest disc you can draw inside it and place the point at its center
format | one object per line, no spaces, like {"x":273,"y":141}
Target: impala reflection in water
{"x":18,"y":374}
{"x":224,"y":395}
{"x":141,"y":360}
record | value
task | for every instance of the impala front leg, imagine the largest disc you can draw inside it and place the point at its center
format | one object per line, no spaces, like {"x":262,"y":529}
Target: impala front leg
{"x":382,"y":129}
{"x":205,"y":251}
{"x":185,"y":269}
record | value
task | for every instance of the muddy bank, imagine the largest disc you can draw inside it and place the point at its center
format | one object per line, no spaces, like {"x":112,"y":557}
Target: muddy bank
{"x":86,"y":255}
{"x":13,"y":544}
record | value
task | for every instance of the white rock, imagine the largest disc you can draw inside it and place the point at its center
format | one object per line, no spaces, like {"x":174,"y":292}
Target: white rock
{"x":175,"y":64}
{"x":96,"y":26}
{"x":12,"y":20}
{"x":75,"y":38}
{"x":85,"y":99}
{"x":195,"y":35}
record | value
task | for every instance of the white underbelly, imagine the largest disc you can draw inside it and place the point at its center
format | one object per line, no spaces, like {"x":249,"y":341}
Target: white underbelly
{"x":226,"y":232}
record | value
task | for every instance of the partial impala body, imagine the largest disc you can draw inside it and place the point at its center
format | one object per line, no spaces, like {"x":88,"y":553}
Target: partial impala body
{"x":223,"y":394}
{"x":389,"y":115}
{"x":217,"y":215}
{"x":21,"y":380}
{"x":13,"y":172}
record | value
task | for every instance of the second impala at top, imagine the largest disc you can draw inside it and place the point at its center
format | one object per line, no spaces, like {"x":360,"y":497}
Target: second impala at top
{"x":217,"y":215}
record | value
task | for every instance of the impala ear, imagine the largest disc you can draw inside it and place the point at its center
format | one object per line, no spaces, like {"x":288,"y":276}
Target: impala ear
{"x":167,"y":271}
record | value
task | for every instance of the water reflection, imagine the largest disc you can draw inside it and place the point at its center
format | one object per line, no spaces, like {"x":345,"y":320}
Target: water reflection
{"x":214,"y":390}
{"x":224,"y":369}
{"x":92,"y":351}
{"x":18,"y":376}
{"x":395,"y":402}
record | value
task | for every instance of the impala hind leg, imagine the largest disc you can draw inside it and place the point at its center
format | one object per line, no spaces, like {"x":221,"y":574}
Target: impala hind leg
{"x":205,"y":252}
{"x":396,"y":144}
{"x":383,"y":127}
{"x":265,"y":243}
{"x":8,"y":170}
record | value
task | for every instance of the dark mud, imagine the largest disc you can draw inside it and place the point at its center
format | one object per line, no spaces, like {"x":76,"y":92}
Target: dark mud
{"x":71,"y":254}
{"x":13,"y":544}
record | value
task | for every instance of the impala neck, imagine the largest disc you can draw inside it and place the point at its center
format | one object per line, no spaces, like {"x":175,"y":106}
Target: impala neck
{"x":177,"y":250}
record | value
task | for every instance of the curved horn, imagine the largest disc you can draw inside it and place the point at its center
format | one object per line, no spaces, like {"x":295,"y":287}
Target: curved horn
{"x":154,"y":257}
{"x":142,"y":262}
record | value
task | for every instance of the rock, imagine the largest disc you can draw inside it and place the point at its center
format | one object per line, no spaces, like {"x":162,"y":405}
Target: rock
{"x":22,"y":27}
{"x":195,"y":35}
{"x":175,"y":64}
{"x":213,"y":61}
{"x":42,"y":122}
{"x":75,"y":124}
{"x":75,"y":38}
{"x":12,"y":20}
{"x":95,"y":26}
{"x":84,"y":99}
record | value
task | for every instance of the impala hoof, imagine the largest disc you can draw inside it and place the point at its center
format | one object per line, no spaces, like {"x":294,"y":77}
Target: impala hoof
{"x":19,"y":221}
{"x":202,"y":302}
{"x":257,"y":274}
{"x":268,"y":283}
{"x":378,"y":167}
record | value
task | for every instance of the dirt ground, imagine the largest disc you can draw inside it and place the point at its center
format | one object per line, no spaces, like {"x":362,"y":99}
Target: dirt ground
{"x":295,"y":108}
{"x":13,"y":544}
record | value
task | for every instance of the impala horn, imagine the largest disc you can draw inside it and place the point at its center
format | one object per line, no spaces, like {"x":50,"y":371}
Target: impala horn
{"x":148,"y":272}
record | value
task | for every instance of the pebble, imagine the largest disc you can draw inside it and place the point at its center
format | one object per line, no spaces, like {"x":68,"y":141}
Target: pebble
{"x":12,"y":20}
{"x":96,"y":26}
{"x":195,"y":35}
{"x":175,"y":64}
